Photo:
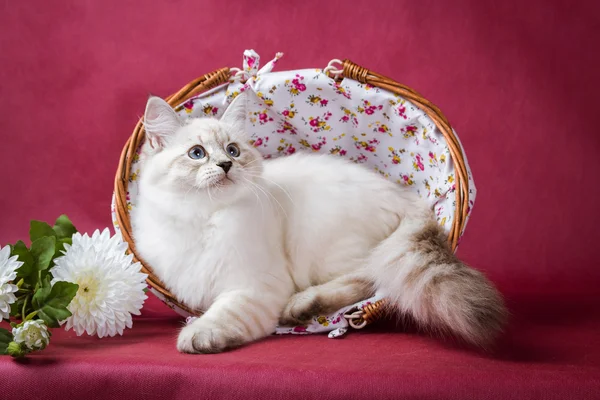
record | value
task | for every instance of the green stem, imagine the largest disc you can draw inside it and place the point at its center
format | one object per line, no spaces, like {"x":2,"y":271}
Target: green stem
{"x":31,"y":315}
{"x":24,"y":306}
{"x":20,"y":283}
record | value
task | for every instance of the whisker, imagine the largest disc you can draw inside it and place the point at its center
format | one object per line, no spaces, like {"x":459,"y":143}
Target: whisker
{"x":188,"y":192}
{"x":253,"y":161}
{"x":268,"y":194}
{"x":276,"y":184}
{"x":209,"y":196}
{"x":262,"y":208}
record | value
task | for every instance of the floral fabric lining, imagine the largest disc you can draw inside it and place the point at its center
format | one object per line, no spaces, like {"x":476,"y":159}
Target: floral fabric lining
{"x":305,"y":110}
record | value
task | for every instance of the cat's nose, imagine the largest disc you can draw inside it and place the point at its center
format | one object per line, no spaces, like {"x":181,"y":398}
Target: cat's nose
{"x":226,"y":165}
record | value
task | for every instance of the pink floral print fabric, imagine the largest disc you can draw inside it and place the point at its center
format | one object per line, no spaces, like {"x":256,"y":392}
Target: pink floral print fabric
{"x":305,"y":110}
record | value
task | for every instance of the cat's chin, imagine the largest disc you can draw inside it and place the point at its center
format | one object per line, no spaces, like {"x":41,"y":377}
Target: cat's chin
{"x":218,"y":182}
{"x":222,"y":190}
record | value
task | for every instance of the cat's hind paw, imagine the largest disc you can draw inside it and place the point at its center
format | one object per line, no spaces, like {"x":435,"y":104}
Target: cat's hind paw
{"x":301,"y":308}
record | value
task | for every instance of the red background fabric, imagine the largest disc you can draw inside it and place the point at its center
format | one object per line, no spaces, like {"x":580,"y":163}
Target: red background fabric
{"x":519,"y":82}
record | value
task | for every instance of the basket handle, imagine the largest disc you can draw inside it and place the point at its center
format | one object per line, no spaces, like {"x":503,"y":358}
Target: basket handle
{"x":201,"y":84}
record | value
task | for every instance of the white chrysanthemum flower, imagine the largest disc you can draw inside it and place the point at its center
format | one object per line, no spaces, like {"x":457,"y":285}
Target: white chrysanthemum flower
{"x":111,"y":287}
{"x":33,"y":334}
{"x":8,"y":266}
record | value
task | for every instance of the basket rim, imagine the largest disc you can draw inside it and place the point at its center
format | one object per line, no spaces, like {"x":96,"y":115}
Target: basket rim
{"x":350,"y":70}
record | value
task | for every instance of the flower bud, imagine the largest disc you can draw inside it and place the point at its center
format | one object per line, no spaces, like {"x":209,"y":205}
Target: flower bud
{"x":32,"y":334}
{"x":14,"y":349}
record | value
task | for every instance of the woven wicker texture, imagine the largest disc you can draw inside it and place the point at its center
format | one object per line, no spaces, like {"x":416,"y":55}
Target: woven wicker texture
{"x":351,"y":71}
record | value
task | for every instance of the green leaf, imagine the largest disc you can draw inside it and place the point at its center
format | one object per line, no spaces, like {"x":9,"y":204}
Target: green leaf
{"x":5,"y":338}
{"x":42,"y":251}
{"x":16,"y":307}
{"x":16,"y":350}
{"x":52,"y":307}
{"x":64,"y":228}
{"x":39,"y":229}
{"x":20,"y":250}
{"x":44,"y":274}
{"x":60,"y":246}
{"x":40,"y":295}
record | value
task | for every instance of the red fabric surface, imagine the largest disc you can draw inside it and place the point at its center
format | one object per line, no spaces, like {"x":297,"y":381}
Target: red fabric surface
{"x":548,"y":353}
{"x":518,"y":80}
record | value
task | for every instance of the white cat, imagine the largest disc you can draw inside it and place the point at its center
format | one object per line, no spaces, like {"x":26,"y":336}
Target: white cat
{"x":255,"y":243}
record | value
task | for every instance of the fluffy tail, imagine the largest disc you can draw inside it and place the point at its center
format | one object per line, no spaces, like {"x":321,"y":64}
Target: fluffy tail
{"x":418,"y":272}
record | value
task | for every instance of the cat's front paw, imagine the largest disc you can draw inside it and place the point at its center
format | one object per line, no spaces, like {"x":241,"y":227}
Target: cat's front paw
{"x":206,"y":338}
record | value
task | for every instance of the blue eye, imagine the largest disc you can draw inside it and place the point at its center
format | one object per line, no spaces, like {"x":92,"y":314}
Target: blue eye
{"x":196,"y":153}
{"x":233,"y":150}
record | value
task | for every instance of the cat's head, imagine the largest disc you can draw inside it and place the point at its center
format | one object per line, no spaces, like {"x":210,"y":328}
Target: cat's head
{"x":200,"y":157}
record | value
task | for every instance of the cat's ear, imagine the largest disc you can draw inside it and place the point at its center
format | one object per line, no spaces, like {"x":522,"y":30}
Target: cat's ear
{"x":160,"y":121}
{"x":235,"y":115}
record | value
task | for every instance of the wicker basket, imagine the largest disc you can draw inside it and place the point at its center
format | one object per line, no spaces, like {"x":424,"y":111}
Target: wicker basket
{"x":350,"y":70}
